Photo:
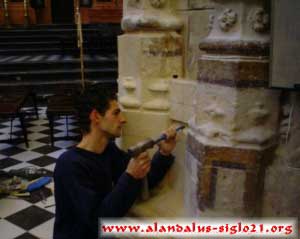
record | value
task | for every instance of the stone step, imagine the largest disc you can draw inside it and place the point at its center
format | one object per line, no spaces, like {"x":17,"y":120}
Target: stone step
{"x":106,"y":29}
{"x":44,"y":57}
{"x":51,"y":51}
{"x":42,"y":75}
{"x":47,"y":87}
{"x":26,"y":51}
{"x":25,"y":37}
{"x":31,"y":45}
{"x":29,"y":38}
{"x":58,"y":82}
{"x":58,"y":50}
{"x":70,"y":43}
{"x":52,"y":62}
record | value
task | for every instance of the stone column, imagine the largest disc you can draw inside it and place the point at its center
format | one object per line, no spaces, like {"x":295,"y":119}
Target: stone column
{"x":150,"y":55}
{"x":234,"y":130}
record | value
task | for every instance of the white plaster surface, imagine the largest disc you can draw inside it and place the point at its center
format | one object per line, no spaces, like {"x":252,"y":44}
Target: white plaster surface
{"x":183,"y":99}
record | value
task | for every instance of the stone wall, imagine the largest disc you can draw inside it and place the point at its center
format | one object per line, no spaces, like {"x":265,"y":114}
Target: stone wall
{"x":282,"y":194}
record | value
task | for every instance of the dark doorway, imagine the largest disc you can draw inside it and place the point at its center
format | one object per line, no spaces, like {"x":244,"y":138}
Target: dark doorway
{"x":62,"y":11}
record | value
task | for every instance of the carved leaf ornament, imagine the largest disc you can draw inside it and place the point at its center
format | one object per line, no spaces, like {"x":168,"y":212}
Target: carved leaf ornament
{"x":157,"y":3}
{"x":260,"y":20}
{"x":227,"y":19}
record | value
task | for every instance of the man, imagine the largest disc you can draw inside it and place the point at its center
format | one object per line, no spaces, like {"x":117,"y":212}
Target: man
{"x":96,"y":179}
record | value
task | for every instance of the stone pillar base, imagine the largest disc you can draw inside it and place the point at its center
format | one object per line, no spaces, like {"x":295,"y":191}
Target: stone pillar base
{"x":227,"y":181}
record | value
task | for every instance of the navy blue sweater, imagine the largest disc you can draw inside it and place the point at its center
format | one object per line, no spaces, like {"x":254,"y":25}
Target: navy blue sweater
{"x":89,"y":186}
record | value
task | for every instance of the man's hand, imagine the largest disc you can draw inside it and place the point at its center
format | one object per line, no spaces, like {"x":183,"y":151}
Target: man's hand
{"x":139,"y":167}
{"x":166,"y":146}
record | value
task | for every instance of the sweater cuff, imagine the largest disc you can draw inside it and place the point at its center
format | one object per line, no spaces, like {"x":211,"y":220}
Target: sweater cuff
{"x":170,"y":156}
{"x":165,"y":159}
{"x":128,"y":179}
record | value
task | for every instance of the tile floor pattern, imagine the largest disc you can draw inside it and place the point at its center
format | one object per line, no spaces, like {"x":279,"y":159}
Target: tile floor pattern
{"x":30,"y":218}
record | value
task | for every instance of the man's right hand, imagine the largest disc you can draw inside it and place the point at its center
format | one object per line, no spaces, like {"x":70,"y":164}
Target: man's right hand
{"x":139,"y":167}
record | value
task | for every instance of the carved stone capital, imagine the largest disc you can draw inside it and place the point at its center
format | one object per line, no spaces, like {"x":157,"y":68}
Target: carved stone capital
{"x":211,"y":22}
{"x":134,"y":3}
{"x":259,"y":20}
{"x":228,"y":178}
{"x":157,"y":3}
{"x":150,"y":22}
{"x":227,"y":20}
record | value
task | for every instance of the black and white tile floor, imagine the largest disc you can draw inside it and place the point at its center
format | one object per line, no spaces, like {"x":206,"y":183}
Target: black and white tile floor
{"x":30,"y":218}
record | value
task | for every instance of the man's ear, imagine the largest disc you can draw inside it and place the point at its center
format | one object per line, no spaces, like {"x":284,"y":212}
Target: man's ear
{"x":95,"y":116}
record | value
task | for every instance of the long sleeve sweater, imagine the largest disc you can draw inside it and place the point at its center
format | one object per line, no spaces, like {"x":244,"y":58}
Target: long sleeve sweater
{"x":89,"y":186}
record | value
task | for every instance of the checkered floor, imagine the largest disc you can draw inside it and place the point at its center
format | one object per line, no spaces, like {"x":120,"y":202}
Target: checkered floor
{"x":31,"y":217}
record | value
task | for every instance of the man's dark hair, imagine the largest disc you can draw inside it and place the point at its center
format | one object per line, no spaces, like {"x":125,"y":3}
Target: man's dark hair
{"x":94,"y":97}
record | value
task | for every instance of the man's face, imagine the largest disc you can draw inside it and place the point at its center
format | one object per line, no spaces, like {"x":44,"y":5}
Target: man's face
{"x":113,"y":120}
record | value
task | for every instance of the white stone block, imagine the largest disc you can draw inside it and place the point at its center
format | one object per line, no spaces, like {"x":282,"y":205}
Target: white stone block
{"x":181,"y":4}
{"x":176,"y":112}
{"x":188,"y":113}
{"x":129,"y":55}
{"x":201,"y":4}
{"x":148,"y":124}
{"x":176,"y":91}
{"x":189,"y":92}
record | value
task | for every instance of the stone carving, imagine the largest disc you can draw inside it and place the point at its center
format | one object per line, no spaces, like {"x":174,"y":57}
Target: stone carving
{"x":259,"y":114}
{"x":214,"y":111}
{"x":169,"y":46}
{"x":159,"y":87}
{"x":157,"y":3}
{"x":160,"y":102}
{"x":286,"y":123}
{"x":255,"y":136}
{"x":212,"y":130}
{"x":259,"y":20}
{"x":129,"y":83}
{"x":144,"y":21}
{"x":129,"y":100}
{"x":227,"y":20}
{"x":134,"y":3}
{"x":157,"y":104}
{"x":211,"y":22}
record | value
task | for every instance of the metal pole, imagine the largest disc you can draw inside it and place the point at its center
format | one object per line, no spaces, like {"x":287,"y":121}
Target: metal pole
{"x":26,"y":15}
{"x":6,"y":16}
{"x":80,"y":43}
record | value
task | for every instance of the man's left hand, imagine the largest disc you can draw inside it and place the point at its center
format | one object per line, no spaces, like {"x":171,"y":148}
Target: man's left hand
{"x":166,"y":146}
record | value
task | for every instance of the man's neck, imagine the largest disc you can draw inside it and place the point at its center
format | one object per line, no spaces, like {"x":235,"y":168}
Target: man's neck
{"x":93,"y":142}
